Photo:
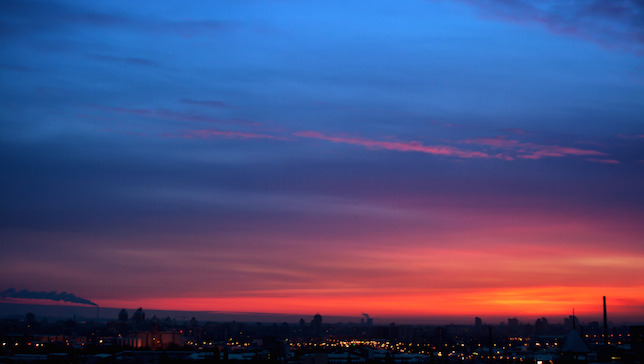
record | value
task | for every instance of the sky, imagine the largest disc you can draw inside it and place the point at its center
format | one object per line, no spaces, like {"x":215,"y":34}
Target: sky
{"x":399,"y":158}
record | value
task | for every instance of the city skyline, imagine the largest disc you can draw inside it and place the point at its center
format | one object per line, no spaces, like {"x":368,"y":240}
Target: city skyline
{"x":54,"y":309}
{"x":417,"y":159}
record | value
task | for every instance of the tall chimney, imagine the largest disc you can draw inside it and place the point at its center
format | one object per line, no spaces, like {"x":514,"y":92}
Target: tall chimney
{"x":605,"y":324}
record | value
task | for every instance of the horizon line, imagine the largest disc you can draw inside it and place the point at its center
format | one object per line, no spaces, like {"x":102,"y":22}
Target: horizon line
{"x":454,"y":319}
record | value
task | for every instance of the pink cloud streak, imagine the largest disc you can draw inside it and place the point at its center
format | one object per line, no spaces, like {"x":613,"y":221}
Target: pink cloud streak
{"x":510,"y":148}
{"x":412,"y":146}
{"x":610,"y":24}
{"x":606,"y":161}
{"x":181,"y":116}
{"x":228,"y":134}
{"x":532,"y":150}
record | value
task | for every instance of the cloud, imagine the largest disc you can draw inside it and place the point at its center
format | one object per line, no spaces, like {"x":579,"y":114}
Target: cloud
{"x":40,"y":295}
{"x":488,"y":147}
{"x":516,"y":149}
{"x":502,"y":148}
{"x":606,"y":161}
{"x":190,"y":29}
{"x":412,"y":146}
{"x":207,"y":133}
{"x":129,"y":60}
{"x":19,"y":68}
{"x":611,"y":24}
{"x":631,"y":137}
{"x":210,"y":103}
{"x":24,"y":17}
{"x":36,"y":16}
{"x":180,"y":116}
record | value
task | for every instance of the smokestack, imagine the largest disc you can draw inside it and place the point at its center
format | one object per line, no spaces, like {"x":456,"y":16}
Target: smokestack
{"x":605,"y":324}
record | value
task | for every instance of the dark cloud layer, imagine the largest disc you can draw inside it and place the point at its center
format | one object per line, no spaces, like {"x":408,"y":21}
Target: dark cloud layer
{"x":24,"y":17}
{"x":612,"y":24}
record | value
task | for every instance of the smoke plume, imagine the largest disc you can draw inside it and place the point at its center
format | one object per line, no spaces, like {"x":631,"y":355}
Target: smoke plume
{"x":53,"y":295}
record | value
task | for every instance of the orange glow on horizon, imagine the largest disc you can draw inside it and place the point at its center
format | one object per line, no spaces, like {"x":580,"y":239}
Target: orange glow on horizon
{"x":526,"y":302}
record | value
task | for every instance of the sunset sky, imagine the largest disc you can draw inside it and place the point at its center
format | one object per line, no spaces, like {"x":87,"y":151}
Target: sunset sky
{"x":399,"y":158}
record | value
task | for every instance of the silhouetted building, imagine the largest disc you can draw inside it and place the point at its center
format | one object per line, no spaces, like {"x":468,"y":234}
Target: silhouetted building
{"x":138,"y":316}
{"x":368,"y":321}
{"x":316,"y":358}
{"x":441,"y":335}
{"x":167,"y":322}
{"x":30,"y":321}
{"x":574,"y":348}
{"x":513,"y":326}
{"x":541,"y":326}
{"x":123,"y":316}
{"x":478,"y":322}
{"x":30,"y":318}
{"x":193,"y":322}
{"x":637,"y":340}
{"x":316,"y":323}
{"x":571,"y":322}
{"x":154,"y":340}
